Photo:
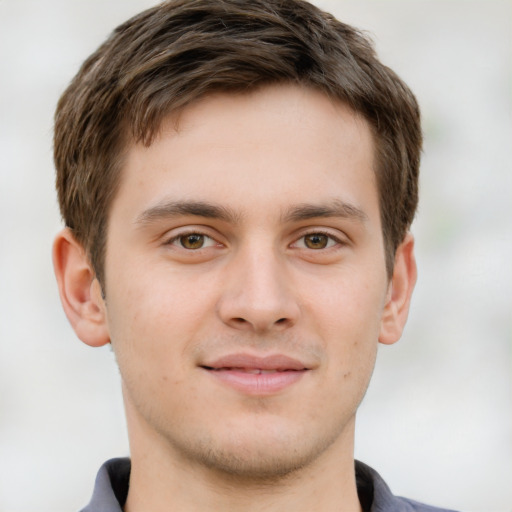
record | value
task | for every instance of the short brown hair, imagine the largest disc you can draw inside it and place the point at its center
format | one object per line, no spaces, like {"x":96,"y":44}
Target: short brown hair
{"x":170,"y":55}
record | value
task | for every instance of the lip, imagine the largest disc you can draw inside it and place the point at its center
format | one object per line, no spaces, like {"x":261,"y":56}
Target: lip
{"x":255,"y":375}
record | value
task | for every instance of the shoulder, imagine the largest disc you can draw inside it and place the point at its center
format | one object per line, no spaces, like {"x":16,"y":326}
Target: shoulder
{"x":415,"y":506}
{"x":374,"y":491}
{"x":111,"y":487}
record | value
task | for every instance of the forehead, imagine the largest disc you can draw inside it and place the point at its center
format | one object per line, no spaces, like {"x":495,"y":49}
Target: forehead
{"x":274,"y":145}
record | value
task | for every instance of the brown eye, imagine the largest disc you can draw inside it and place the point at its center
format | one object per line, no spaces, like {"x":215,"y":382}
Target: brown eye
{"x":316,"y":241}
{"x":192,"y":241}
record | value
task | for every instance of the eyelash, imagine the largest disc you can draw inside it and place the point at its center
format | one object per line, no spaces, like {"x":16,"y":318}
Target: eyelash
{"x":175,"y":240}
{"x":330,"y":237}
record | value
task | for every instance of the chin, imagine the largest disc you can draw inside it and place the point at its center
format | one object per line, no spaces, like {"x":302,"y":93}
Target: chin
{"x":258,"y":455}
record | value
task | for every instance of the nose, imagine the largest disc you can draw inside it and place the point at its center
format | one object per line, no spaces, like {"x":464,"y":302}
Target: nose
{"x":258,"y":294}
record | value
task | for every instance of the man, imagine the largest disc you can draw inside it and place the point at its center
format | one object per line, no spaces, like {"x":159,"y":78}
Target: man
{"x":237,"y":181}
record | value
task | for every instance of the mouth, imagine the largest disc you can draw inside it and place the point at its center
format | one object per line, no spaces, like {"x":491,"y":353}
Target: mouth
{"x":254,"y":375}
{"x":254,"y":371}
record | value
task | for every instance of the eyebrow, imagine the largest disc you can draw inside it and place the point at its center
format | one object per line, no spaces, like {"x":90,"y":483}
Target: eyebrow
{"x":170,"y":209}
{"x":297,"y":213}
{"x":335,"y":208}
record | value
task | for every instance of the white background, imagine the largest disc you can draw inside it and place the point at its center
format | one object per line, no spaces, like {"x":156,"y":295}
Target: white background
{"x":437,"y":420}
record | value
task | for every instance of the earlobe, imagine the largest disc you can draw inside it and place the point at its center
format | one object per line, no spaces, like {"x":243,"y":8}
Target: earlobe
{"x":400,"y":291}
{"x":80,"y":291}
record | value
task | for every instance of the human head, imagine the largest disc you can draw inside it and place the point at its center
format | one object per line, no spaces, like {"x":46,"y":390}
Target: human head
{"x":181,"y":50}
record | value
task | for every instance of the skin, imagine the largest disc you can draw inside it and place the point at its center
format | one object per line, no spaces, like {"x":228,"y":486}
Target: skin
{"x":287,"y":259}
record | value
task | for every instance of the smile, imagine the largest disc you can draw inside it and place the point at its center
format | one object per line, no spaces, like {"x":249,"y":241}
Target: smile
{"x":257,"y":371}
{"x":257,"y":375}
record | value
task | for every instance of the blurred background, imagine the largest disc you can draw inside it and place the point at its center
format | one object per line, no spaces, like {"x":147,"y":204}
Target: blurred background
{"x":437,"y":419}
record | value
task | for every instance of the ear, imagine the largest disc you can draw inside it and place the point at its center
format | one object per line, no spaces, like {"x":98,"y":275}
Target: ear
{"x":80,"y":291}
{"x":399,"y":293}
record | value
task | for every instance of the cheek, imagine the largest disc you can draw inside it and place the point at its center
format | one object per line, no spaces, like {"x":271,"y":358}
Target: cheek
{"x":347,"y":305}
{"x":150,"y":294}
{"x":347,"y":313}
{"x":153,"y":317}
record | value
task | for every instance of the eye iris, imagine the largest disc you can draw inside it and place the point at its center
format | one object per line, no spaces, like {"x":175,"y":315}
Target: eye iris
{"x":316,"y":241}
{"x":193,"y":241}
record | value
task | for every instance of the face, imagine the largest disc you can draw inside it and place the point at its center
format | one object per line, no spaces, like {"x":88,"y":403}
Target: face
{"x":246,"y":280}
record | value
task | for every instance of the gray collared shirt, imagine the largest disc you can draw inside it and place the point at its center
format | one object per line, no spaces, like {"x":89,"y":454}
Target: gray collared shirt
{"x":111,"y":490}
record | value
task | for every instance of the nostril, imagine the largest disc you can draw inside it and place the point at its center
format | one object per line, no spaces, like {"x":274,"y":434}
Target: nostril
{"x":281,"y":321}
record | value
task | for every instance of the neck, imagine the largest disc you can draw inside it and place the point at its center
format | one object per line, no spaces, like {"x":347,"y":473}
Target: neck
{"x":163,"y":480}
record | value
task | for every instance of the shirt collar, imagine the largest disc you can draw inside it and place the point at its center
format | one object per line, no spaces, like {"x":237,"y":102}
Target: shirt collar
{"x":112,"y":482}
